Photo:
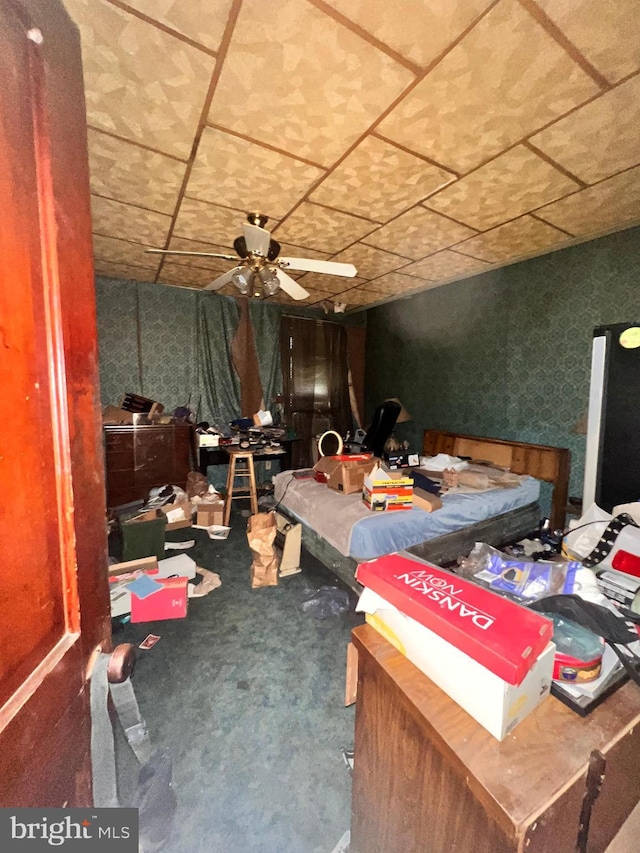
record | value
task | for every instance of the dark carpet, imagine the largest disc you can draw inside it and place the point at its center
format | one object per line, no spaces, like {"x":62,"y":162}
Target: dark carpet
{"x":247,"y":693}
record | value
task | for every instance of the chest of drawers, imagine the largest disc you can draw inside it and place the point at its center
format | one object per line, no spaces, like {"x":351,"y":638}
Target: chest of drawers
{"x":137,"y":458}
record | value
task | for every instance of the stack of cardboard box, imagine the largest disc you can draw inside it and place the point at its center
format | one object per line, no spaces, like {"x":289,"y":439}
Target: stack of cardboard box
{"x":344,"y":473}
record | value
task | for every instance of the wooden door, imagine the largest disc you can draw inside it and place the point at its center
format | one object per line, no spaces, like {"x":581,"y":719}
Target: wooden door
{"x":54,"y":608}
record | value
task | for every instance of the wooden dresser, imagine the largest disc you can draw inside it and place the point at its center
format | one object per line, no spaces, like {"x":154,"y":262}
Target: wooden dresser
{"x":427,"y":777}
{"x":137,"y":458}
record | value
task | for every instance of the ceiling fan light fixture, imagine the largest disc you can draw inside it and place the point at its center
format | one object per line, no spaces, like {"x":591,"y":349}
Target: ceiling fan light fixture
{"x":242,"y":278}
{"x":258,"y":219}
{"x":270,"y":281}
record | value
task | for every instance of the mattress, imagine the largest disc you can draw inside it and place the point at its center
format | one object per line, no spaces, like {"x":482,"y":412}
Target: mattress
{"x":353,"y":530}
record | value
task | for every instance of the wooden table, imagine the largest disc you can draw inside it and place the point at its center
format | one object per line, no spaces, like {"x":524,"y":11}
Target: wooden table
{"x":220,"y":455}
{"x":429,"y":779}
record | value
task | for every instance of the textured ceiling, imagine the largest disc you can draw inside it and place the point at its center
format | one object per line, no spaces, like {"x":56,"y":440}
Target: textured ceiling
{"x":421,"y":140}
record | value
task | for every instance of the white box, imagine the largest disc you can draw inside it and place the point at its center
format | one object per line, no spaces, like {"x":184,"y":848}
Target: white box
{"x":289,"y":544}
{"x":120,"y":599}
{"x":497,"y":705}
{"x":181,"y":566}
{"x":208,"y":440}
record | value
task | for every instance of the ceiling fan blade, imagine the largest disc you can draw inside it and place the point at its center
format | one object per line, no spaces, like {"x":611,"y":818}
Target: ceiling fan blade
{"x":198,"y":254}
{"x":223,"y":279}
{"x":256,"y":238}
{"x":310,"y":265}
{"x":291,"y":286}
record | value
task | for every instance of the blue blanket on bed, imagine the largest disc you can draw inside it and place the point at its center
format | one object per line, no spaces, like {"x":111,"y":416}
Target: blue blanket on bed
{"x":387,"y":532}
{"x":345,"y":522}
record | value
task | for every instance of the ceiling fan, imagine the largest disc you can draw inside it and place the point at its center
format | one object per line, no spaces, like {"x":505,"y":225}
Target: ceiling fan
{"x":260,"y":271}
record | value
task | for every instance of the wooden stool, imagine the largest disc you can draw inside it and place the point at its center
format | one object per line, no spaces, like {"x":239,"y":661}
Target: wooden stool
{"x":244,"y":471}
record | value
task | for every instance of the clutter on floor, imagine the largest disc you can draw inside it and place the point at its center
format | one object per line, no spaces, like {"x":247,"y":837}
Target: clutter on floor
{"x":261,"y":535}
{"x":326,"y":601}
{"x":145,"y":585}
{"x":245,"y":690}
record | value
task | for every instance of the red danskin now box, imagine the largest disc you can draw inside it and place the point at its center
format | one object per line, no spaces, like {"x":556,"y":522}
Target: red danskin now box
{"x":503,"y":636}
{"x":167,"y":603}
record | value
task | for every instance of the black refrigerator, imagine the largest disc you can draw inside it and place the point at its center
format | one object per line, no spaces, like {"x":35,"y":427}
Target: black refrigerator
{"x":612,"y":460}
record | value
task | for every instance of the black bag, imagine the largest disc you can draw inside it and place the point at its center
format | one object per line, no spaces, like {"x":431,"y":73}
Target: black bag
{"x":617,"y":631}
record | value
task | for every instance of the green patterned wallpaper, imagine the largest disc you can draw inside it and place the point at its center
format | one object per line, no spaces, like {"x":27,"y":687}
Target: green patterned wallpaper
{"x":117,"y":339}
{"x":506,"y":353}
{"x":168,"y":345}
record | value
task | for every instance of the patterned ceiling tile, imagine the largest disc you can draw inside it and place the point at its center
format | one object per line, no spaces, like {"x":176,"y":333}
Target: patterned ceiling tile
{"x":237,"y":173}
{"x":128,"y":173}
{"x":323,"y":84}
{"x":216,"y":264}
{"x":393,"y":283}
{"x":213,"y":265}
{"x":524,"y":236}
{"x":287,"y":250}
{"x":379,"y":181}
{"x":370,"y":262}
{"x":110,"y":269}
{"x":194,"y":19}
{"x":198,"y":220}
{"x":504,"y":80}
{"x":421,"y":32}
{"x":417,"y":233}
{"x":140,"y":82}
{"x":328,"y":283}
{"x":319,"y":228}
{"x":188,"y":276}
{"x":504,"y":188}
{"x":315,"y":295}
{"x":124,"y":252}
{"x":614,"y":203}
{"x":608,"y":34}
{"x":113,"y":219}
{"x":445,"y":265}
{"x":600,"y":138}
{"x":360,"y":296}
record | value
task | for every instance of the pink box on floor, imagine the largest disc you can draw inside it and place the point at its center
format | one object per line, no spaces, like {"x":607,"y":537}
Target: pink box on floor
{"x":503,"y":636}
{"x":167,"y":603}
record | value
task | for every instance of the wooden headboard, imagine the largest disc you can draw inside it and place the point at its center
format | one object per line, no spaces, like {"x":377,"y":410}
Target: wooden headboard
{"x":550,"y":464}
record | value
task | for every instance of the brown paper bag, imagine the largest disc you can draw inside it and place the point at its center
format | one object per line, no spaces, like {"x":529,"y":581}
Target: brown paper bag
{"x":197,"y":484}
{"x":261,"y":534}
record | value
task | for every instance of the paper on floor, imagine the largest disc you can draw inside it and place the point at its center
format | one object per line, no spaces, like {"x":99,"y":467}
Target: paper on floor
{"x":181,"y":565}
{"x":209,"y":582}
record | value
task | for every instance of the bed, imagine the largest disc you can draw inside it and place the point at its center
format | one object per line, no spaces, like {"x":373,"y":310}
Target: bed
{"x":341,"y":532}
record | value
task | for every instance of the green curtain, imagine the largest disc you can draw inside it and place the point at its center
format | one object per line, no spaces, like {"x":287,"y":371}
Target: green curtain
{"x":218,"y":381}
{"x":265,"y":318}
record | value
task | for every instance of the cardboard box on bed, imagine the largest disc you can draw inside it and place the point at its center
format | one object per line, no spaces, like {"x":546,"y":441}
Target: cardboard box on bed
{"x":425,"y":500}
{"x":503,"y":636}
{"x":344,"y":473}
{"x":383,"y":491}
{"x":489,"y":699}
{"x":422,"y":499}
